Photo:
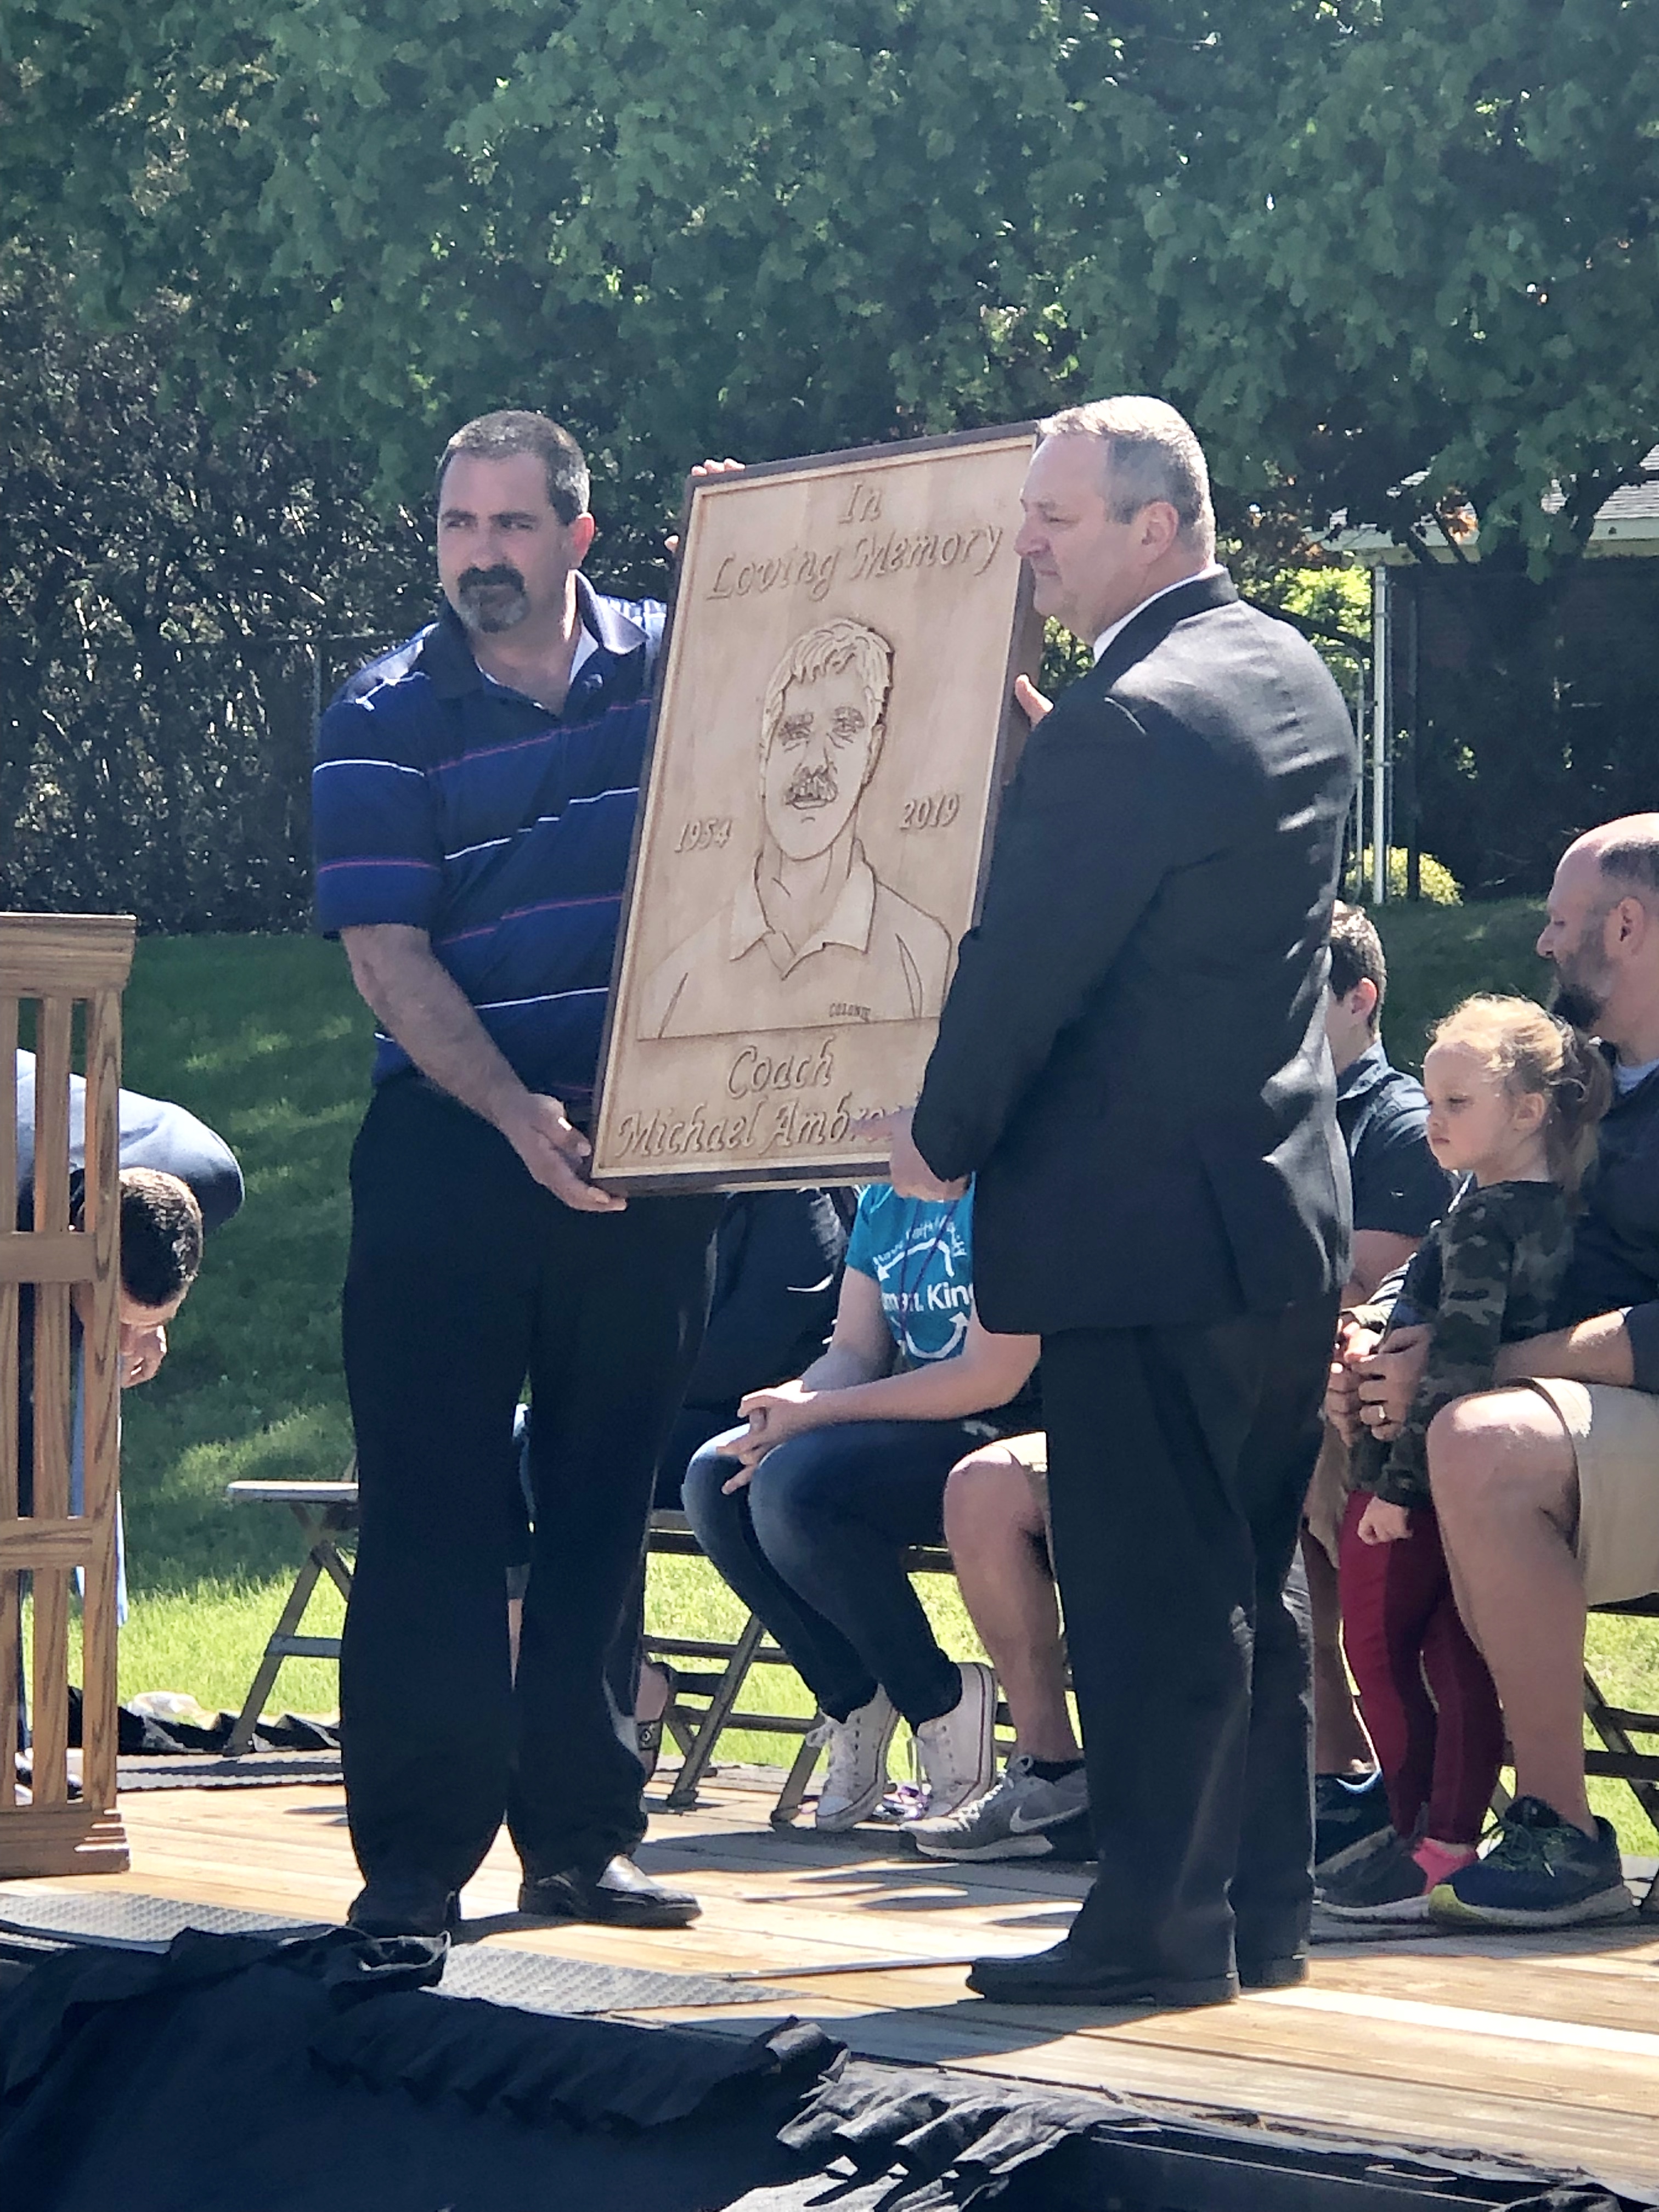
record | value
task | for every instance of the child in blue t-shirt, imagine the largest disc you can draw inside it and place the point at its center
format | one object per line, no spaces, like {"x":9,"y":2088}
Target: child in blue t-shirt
{"x":809,"y":1511}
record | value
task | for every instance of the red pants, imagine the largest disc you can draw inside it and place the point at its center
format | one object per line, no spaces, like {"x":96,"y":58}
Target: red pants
{"x":1400,"y":1626}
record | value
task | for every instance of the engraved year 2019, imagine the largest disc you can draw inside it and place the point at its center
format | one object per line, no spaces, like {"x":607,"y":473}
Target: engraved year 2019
{"x":705,"y":835}
{"x":935,"y":809}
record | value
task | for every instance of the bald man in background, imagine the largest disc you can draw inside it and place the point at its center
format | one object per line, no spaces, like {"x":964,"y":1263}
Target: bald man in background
{"x":1547,"y":1491}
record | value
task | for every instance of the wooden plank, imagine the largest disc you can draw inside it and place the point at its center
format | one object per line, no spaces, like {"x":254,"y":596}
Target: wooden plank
{"x":10,"y":1588}
{"x":54,"y":1033}
{"x":101,"y":1393}
{"x":34,"y":1842}
{"x":1528,"y":1988}
{"x":51,"y":1402}
{"x":44,"y":953}
{"x":49,"y":1714}
{"x":32,"y":1543}
{"x":10,"y":1643}
{"x":28,"y":1256}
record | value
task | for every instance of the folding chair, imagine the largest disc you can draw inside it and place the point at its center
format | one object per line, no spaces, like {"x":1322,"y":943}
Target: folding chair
{"x":325,"y":1512}
{"x":697,"y":1732}
{"x":1615,"y":1725}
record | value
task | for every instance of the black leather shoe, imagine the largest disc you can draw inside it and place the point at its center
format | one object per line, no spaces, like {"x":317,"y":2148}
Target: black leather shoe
{"x":620,"y":1897}
{"x":1273,"y":1973}
{"x":404,"y":1904}
{"x":1061,"y":1976}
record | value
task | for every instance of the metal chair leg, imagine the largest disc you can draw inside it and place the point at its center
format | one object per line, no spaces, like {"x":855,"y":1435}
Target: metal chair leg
{"x":683,"y":1795}
{"x":276,"y":1651}
{"x":794,"y":1786}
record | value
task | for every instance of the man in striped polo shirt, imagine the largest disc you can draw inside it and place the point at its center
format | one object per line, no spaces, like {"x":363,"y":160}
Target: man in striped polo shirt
{"x":473,"y":800}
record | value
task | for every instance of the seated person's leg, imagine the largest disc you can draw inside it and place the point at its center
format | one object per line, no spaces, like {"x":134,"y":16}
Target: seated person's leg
{"x":839,"y":1678}
{"x":1340,"y":1744}
{"x":1545,"y":1498}
{"x":1505,"y":1488}
{"x":996,"y":1524}
{"x":816,"y":1545}
{"x":1350,"y":1801}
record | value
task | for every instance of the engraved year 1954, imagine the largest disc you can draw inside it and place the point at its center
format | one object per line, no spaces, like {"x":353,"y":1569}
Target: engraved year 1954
{"x":704,"y":835}
{"x":936,"y":810}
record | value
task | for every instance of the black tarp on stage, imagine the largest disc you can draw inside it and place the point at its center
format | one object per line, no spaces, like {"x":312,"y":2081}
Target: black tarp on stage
{"x":325,"y":2073}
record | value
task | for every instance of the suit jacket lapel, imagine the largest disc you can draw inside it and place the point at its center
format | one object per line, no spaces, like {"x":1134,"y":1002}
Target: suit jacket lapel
{"x":1143,"y":631}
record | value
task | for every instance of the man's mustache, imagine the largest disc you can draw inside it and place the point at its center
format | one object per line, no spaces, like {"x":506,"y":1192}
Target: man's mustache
{"x":486,"y":580}
{"x":812,"y":787}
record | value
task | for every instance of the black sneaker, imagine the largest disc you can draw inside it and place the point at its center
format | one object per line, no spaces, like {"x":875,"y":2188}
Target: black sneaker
{"x":1385,"y":1883}
{"x":1349,"y":1819}
{"x":1542,"y":1872}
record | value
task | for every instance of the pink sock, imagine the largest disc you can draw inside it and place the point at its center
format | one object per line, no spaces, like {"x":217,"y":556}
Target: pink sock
{"x":1438,"y":1861}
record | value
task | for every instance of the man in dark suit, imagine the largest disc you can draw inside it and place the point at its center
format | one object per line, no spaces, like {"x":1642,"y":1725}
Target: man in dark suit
{"x":1133,"y":1059}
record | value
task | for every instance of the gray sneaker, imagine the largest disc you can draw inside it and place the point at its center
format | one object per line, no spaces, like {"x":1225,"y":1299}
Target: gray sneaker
{"x":1020,"y":1817}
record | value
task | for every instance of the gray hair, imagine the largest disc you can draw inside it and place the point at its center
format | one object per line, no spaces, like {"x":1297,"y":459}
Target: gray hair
{"x":1149,"y":452}
{"x":517,"y":430}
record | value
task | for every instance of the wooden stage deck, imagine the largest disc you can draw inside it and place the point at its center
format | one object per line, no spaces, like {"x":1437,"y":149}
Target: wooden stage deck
{"x":1543,"y":2050}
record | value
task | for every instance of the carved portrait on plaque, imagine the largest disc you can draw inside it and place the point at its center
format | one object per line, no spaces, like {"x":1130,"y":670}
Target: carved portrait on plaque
{"x":832,"y":730}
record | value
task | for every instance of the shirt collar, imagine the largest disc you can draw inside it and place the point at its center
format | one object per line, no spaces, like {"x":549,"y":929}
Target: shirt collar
{"x":1363,"y":1074}
{"x":447,"y":652}
{"x":1201,"y":575}
{"x":849,"y":922}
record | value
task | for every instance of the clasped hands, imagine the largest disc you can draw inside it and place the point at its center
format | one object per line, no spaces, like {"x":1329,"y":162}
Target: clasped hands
{"x":773,"y":1416}
{"x":1371,"y":1383}
{"x":1370,"y":1386}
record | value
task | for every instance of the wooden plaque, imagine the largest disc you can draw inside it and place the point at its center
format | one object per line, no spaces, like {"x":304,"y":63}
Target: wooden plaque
{"x":833,"y":728}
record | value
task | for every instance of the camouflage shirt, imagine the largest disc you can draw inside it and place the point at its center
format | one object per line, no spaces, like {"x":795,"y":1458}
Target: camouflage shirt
{"x":1486,"y":1275}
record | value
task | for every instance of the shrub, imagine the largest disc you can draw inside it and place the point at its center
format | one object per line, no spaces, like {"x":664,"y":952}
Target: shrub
{"x":1437,"y":884}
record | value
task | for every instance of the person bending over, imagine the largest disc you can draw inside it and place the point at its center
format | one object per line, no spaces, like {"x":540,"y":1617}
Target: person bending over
{"x":808,"y":1510}
{"x":1514,"y":1098}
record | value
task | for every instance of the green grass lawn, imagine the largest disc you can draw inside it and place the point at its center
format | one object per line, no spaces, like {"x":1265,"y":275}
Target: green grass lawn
{"x":264,"y":1038}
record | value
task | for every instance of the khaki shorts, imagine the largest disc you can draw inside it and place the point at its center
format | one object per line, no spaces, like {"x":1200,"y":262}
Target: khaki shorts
{"x":1028,"y":1453}
{"x":1615,"y":1439}
{"x":1328,"y":1494}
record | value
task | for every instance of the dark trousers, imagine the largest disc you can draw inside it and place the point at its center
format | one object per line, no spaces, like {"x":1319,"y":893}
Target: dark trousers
{"x":1178,"y":1460}
{"x":816,"y":1547}
{"x":693,"y":1427}
{"x":1440,"y":1755}
{"x":466,"y":1278}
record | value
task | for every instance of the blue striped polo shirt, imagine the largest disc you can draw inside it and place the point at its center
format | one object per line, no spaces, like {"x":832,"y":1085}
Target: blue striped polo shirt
{"x":443,"y":799}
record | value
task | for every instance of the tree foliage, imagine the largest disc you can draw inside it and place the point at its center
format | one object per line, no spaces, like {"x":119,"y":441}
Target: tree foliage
{"x":1354,"y":239}
{"x":164,"y":592}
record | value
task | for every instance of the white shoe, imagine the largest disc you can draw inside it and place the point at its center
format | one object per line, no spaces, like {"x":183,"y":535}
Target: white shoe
{"x":956,"y":1753}
{"x":857,"y":1779}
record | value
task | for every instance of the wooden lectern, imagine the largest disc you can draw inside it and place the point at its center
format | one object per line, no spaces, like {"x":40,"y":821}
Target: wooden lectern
{"x":59,"y":1279}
